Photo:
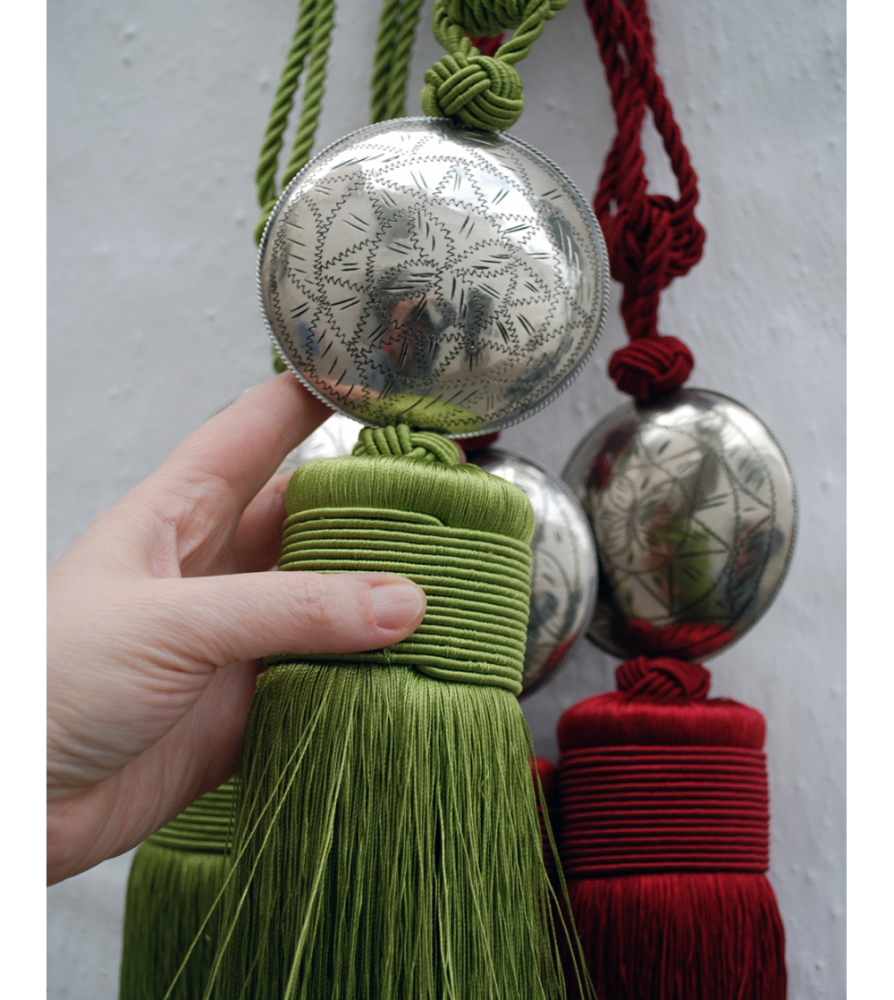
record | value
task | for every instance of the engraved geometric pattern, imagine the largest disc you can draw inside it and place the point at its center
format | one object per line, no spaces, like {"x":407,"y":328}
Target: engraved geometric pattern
{"x":693,"y":508}
{"x":452,"y":279}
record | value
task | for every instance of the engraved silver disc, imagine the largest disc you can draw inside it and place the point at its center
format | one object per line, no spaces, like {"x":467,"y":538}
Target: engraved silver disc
{"x":563,"y":568}
{"x":454,"y":280}
{"x":694,"y":510}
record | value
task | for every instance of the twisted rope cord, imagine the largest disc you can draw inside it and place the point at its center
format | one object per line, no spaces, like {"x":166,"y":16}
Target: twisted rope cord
{"x":397,"y":28}
{"x":652,"y":239}
{"x":482,"y":91}
{"x":312,"y":36}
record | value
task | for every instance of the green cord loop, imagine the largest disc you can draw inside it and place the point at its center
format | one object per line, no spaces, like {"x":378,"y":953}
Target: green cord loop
{"x":397,"y":27}
{"x":482,"y":92}
{"x":311,"y":39}
{"x":400,"y":442}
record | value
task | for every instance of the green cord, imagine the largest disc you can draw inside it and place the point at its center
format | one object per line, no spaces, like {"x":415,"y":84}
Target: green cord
{"x":397,"y":28}
{"x":312,"y":37}
{"x":483,"y":92}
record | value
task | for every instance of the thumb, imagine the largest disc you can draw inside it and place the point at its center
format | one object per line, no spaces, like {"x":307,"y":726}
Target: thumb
{"x":226,"y":619}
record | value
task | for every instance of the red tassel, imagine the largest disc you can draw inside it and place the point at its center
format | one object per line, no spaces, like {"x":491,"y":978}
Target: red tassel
{"x":665,"y":840}
{"x":548,"y":775}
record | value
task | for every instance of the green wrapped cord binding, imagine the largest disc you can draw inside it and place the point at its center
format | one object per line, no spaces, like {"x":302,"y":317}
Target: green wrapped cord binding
{"x":387,"y":842}
{"x":170,"y":919}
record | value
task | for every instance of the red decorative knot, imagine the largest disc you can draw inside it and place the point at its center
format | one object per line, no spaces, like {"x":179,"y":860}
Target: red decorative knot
{"x":651,"y":366}
{"x":663,"y":678}
{"x":651,"y":238}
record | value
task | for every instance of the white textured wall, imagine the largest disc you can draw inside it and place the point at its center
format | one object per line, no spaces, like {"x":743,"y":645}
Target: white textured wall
{"x":156,"y":111}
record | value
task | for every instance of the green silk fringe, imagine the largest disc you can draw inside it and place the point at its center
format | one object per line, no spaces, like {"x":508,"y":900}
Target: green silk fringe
{"x":170,"y":917}
{"x":387,"y":842}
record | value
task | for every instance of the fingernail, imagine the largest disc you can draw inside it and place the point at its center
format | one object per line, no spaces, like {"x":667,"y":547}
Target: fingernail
{"x":395,"y":605}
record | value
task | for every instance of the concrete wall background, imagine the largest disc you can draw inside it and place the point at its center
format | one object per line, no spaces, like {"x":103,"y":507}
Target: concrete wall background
{"x":156,"y":111}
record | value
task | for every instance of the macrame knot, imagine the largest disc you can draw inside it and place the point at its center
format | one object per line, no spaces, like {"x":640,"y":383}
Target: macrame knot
{"x":640,"y":238}
{"x":486,"y":18}
{"x":663,"y":678}
{"x":650,"y":366}
{"x":400,"y":442}
{"x":478,"y":91}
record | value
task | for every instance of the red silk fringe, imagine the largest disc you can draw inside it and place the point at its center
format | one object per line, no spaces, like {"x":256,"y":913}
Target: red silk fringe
{"x":548,"y":775}
{"x":664,"y":840}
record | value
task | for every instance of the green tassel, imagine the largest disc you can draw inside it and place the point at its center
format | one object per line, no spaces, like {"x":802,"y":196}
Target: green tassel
{"x":170,"y":917}
{"x":387,"y":843}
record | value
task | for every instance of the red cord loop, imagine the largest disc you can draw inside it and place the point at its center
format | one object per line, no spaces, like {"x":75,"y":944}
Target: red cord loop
{"x":651,"y":239}
{"x":663,"y":678}
{"x":650,"y":366}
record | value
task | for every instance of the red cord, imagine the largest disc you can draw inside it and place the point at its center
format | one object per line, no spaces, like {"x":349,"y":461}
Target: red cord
{"x":651,"y":239}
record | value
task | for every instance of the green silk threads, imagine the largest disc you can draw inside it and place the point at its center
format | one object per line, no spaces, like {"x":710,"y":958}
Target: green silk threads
{"x":386,"y":842}
{"x":170,"y":916}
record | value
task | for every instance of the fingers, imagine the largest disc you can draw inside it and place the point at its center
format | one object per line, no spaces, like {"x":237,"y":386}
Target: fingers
{"x":221,"y":620}
{"x":198,"y":754}
{"x":215,"y":472}
{"x":258,"y":540}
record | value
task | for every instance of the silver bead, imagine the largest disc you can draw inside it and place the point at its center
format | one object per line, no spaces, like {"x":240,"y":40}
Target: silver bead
{"x":694,"y":510}
{"x":455,"y":280}
{"x":333,"y":439}
{"x":563,"y":569}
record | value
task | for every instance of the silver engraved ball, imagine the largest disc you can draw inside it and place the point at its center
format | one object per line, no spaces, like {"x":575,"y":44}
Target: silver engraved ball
{"x":451,"y":279}
{"x":694,"y":510}
{"x":563,"y":567}
{"x":333,"y":439}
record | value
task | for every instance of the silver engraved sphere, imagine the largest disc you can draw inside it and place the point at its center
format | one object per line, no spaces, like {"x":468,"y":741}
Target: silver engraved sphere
{"x":694,"y":509}
{"x":563,"y":568}
{"x":454,"y":280}
{"x":333,"y":439}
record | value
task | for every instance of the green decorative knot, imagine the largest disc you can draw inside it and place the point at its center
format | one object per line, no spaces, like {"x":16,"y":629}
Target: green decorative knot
{"x":489,"y":18}
{"x":482,"y":92}
{"x":400,"y":442}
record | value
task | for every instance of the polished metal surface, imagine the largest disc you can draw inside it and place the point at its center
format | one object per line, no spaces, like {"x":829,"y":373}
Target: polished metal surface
{"x":563,"y":570}
{"x":451,"y":279}
{"x":694,"y":510}
{"x":333,"y":439}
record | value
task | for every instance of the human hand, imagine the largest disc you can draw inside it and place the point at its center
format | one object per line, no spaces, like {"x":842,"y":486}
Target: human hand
{"x":158,"y":616}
